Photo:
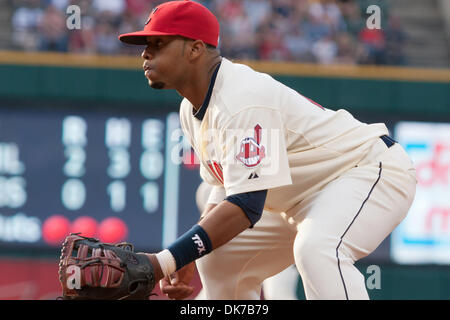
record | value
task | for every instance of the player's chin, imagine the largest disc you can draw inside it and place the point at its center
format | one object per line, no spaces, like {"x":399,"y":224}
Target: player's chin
{"x":153,"y":82}
{"x":156,"y":84}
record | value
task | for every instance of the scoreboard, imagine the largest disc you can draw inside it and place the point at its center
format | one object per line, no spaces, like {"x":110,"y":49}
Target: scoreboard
{"x":115,"y":175}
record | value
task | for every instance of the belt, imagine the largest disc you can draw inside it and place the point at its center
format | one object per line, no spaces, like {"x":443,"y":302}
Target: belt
{"x":388,"y":141}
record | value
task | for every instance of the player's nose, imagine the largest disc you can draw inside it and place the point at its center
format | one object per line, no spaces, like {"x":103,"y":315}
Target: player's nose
{"x":146,"y":55}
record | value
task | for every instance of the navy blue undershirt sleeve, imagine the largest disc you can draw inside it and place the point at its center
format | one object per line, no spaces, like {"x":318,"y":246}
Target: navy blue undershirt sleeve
{"x":252,"y":203}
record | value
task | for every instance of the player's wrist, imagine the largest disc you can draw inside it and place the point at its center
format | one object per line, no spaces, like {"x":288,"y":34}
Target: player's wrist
{"x":156,"y":266}
{"x":166,"y":262}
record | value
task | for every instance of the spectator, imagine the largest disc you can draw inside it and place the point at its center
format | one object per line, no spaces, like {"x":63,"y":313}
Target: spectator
{"x":128,"y":24}
{"x":272,"y":46}
{"x":282,"y":7}
{"x":374,"y":42}
{"x":351,"y":14}
{"x":257,"y":11}
{"x":315,"y":28}
{"x":298,"y":46}
{"x":111,"y":7}
{"x":241,"y":31}
{"x":346,"y":49}
{"x":228,"y":9}
{"x":61,"y":5}
{"x":138,"y":8}
{"x":53,"y":30}
{"x":395,"y":42}
{"x":328,"y":12}
{"x":84,"y":40}
{"x":325,"y":50}
{"x":25,"y":21}
{"x":106,"y":38}
{"x":85,"y":6}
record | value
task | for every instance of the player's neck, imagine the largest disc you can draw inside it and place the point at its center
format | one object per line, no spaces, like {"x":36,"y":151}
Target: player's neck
{"x":196,"y":88}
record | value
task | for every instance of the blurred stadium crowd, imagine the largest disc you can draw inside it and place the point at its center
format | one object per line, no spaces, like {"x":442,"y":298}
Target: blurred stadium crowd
{"x":315,"y":31}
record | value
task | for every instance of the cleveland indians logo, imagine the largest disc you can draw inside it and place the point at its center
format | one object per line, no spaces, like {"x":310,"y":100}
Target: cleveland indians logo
{"x":251,"y":152}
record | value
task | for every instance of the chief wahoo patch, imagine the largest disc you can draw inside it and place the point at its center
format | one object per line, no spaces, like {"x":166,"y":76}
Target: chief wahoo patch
{"x":251,"y":152}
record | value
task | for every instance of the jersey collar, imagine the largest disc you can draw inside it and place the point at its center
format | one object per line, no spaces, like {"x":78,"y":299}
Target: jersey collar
{"x":201,"y":112}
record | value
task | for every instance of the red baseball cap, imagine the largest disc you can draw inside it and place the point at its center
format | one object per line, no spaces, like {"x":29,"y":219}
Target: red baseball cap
{"x":183,"y":18}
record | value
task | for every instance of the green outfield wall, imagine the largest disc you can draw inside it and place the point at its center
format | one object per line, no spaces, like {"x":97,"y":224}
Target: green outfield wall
{"x":120,"y":82}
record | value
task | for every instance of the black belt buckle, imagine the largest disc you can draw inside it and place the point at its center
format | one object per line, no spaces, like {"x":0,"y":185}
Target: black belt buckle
{"x":388,"y":141}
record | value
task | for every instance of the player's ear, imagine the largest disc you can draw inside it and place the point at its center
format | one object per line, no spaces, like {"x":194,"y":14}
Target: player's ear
{"x":197,"y":48}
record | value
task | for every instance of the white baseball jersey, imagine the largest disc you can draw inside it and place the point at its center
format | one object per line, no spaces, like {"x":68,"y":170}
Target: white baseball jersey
{"x":254,"y":133}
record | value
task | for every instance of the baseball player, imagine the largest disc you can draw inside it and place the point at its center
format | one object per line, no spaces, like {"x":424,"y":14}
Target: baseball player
{"x":343,"y":185}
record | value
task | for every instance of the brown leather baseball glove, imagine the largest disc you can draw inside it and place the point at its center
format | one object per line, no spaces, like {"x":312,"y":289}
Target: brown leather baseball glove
{"x":92,"y":270}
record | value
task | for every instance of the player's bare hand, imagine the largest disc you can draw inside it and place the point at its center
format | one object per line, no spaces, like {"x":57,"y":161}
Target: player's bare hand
{"x":177,"y":285}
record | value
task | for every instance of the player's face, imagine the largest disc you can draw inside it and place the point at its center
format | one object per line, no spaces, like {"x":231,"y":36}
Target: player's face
{"x":164,"y":58}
